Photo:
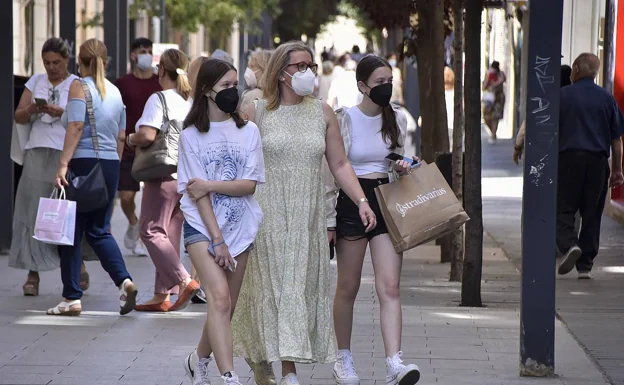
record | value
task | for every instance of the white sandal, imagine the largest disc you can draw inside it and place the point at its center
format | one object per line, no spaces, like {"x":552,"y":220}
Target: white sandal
{"x":70,"y":309}
{"x":127,"y":298}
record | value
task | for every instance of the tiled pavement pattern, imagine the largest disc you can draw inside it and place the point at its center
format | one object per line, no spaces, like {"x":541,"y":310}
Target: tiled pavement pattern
{"x":592,"y":310}
{"x":452,"y":345}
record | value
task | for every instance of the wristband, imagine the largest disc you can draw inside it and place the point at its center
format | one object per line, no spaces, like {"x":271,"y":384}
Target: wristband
{"x":360,"y":201}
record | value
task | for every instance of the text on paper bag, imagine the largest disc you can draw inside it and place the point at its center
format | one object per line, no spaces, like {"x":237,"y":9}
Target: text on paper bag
{"x":402,"y":208}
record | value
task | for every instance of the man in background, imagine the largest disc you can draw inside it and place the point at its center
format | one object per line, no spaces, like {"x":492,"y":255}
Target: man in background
{"x":590,"y":129}
{"x":135,"y":87}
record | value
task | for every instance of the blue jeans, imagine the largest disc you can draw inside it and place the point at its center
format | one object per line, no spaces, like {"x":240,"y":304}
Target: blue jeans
{"x":95,"y":225}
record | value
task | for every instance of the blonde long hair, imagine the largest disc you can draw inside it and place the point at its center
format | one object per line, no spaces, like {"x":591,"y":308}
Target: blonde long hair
{"x":274,"y":71}
{"x":194,"y":70}
{"x":175,"y":64}
{"x":94,"y":55}
{"x":260,"y":60}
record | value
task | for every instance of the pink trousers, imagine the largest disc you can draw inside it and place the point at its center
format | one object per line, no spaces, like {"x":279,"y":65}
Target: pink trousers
{"x":161,"y":232}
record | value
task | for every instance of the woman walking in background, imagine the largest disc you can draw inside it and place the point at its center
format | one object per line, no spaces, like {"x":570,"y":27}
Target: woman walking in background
{"x":161,"y":218}
{"x":41,"y":158}
{"x":284,"y":306}
{"x":371,"y":131}
{"x":493,"y":109}
{"x":219,"y":166}
{"x":253,"y":77}
{"x":94,"y":104}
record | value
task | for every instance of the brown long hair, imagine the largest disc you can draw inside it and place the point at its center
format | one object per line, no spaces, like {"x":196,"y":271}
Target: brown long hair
{"x":171,"y":61}
{"x":277,"y":63}
{"x":93,"y":54}
{"x":260,"y":60}
{"x":389,"y":126}
{"x":209,"y":74}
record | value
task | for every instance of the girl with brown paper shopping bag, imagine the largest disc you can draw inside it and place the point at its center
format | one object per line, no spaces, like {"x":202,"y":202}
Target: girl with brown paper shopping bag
{"x":371,"y":131}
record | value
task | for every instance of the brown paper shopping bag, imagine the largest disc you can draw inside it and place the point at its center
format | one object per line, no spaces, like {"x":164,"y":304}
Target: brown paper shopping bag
{"x":419,"y":207}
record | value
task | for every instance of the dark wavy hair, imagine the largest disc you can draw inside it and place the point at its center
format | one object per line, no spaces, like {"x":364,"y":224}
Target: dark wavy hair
{"x":389,"y":125}
{"x":209,"y":74}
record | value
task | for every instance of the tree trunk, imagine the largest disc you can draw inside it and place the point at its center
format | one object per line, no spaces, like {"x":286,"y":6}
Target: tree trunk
{"x":430,"y":59}
{"x":473,"y":261}
{"x":457,"y":240}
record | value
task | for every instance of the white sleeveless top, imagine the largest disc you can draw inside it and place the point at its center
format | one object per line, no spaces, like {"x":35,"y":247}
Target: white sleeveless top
{"x":368,"y":149}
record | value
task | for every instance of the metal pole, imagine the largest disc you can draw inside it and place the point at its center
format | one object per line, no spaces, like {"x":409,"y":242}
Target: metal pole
{"x":123,"y":48}
{"x":111,"y":37}
{"x":608,"y":61}
{"x":541,"y":72}
{"x":67,"y":28}
{"x":6,"y":112}
{"x":163,"y":22}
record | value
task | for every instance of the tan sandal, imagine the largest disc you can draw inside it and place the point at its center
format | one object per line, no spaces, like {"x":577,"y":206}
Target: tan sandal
{"x":31,"y":287}
{"x":64,"y":308}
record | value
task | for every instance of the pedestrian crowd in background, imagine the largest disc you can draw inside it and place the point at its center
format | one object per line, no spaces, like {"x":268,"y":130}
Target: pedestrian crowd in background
{"x":256,"y":187}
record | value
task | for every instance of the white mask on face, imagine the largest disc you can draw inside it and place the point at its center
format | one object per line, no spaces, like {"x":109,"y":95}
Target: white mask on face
{"x":250,"y":78}
{"x":303,"y":82}
{"x":144,"y":61}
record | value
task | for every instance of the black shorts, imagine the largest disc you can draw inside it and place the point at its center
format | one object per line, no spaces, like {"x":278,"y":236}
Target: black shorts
{"x":126,"y":181}
{"x":348,"y":222}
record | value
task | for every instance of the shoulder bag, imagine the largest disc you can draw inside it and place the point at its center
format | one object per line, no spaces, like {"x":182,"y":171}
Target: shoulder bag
{"x":159,"y":159}
{"x":88,"y":191}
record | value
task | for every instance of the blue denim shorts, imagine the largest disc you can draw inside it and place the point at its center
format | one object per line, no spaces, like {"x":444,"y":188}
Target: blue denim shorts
{"x":191,"y":236}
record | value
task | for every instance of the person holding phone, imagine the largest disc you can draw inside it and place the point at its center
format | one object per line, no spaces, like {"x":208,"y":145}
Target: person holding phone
{"x":220,"y":164}
{"x":373,"y":132}
{"x":41,"y":105}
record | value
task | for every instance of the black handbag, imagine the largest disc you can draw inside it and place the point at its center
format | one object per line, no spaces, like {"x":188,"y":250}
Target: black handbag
{"x":88,"y":191}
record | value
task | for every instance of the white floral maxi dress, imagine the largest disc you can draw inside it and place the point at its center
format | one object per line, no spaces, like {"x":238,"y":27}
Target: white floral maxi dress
{"x":283,"y":311}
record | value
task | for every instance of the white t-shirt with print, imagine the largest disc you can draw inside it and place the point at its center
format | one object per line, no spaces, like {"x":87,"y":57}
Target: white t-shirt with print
{"x":224,"y":153}
{"x":177,"y":109}
{"x":47,"y":131}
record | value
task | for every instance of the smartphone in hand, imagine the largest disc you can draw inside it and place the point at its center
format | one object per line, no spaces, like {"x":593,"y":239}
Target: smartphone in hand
{"x":332,"y":250}
{"x":396,"y":157}
{"x":40,"y":102}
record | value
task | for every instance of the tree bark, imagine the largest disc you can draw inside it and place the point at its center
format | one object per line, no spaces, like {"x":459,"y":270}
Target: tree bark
{"x":430,"y":59}
{"x":457,"y":240}
{"x":473,"y":261}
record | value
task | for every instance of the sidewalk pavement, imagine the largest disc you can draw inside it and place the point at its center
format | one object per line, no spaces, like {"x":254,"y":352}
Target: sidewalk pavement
{"x":592,"y":310}
{"x":452,"y":345}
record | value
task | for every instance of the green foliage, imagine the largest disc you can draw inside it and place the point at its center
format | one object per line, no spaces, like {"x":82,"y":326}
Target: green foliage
{"x":299,"y":17}
{"x":218,"y":16}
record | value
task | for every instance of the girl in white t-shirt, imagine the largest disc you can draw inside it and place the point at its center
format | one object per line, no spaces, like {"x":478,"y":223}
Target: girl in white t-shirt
{"x":220,"y":163}
{"x":161,"y":217}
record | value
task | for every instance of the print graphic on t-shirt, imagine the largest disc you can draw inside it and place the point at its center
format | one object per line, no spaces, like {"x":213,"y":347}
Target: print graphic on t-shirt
{"x":222,"y":162}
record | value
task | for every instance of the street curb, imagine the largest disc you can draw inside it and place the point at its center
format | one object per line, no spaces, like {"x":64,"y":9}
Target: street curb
{"x":518,"y":267}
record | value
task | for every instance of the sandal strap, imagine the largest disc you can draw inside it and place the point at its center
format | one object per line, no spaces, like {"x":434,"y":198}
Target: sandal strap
{"x":64,"y":306}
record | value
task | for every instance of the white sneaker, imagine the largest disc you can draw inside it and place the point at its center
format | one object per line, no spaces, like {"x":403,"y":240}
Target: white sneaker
{"x":290,"y":379}
{"x":344,"y":370}
{"x":584,"y":275}
{"x":197,"y":369}
{"x":263,"y":373}
{"x":139,"y":249}
{"x":400,"y":374}
{"x":132,"y":236}
{"x":230,"y":378}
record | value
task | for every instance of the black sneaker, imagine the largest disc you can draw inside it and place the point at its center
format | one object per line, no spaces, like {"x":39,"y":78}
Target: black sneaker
{"x":569,"y":260}
{"x":200,"y":297}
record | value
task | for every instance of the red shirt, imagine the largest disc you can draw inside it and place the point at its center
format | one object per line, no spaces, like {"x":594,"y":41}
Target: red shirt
{"x":135,"y":92}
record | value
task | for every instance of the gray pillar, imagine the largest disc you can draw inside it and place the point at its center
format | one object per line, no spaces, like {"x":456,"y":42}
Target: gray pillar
{"x":412,"y":98}
{"x":608,"y":61}
{"x":6,"y":112}
{"x":541,"y":72}
{"x":116,"y":37}
{"x":67,"y":27}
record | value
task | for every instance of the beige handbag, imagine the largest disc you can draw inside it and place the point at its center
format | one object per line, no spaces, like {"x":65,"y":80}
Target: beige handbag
{"x":159,"y":159}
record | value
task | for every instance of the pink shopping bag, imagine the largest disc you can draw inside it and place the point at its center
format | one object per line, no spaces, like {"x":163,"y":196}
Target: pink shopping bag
{"x":56,"y":220}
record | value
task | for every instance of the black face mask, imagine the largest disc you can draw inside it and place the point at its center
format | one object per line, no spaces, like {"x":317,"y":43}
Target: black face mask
{"x":381,"y":94}
{"x":227,"y":99}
